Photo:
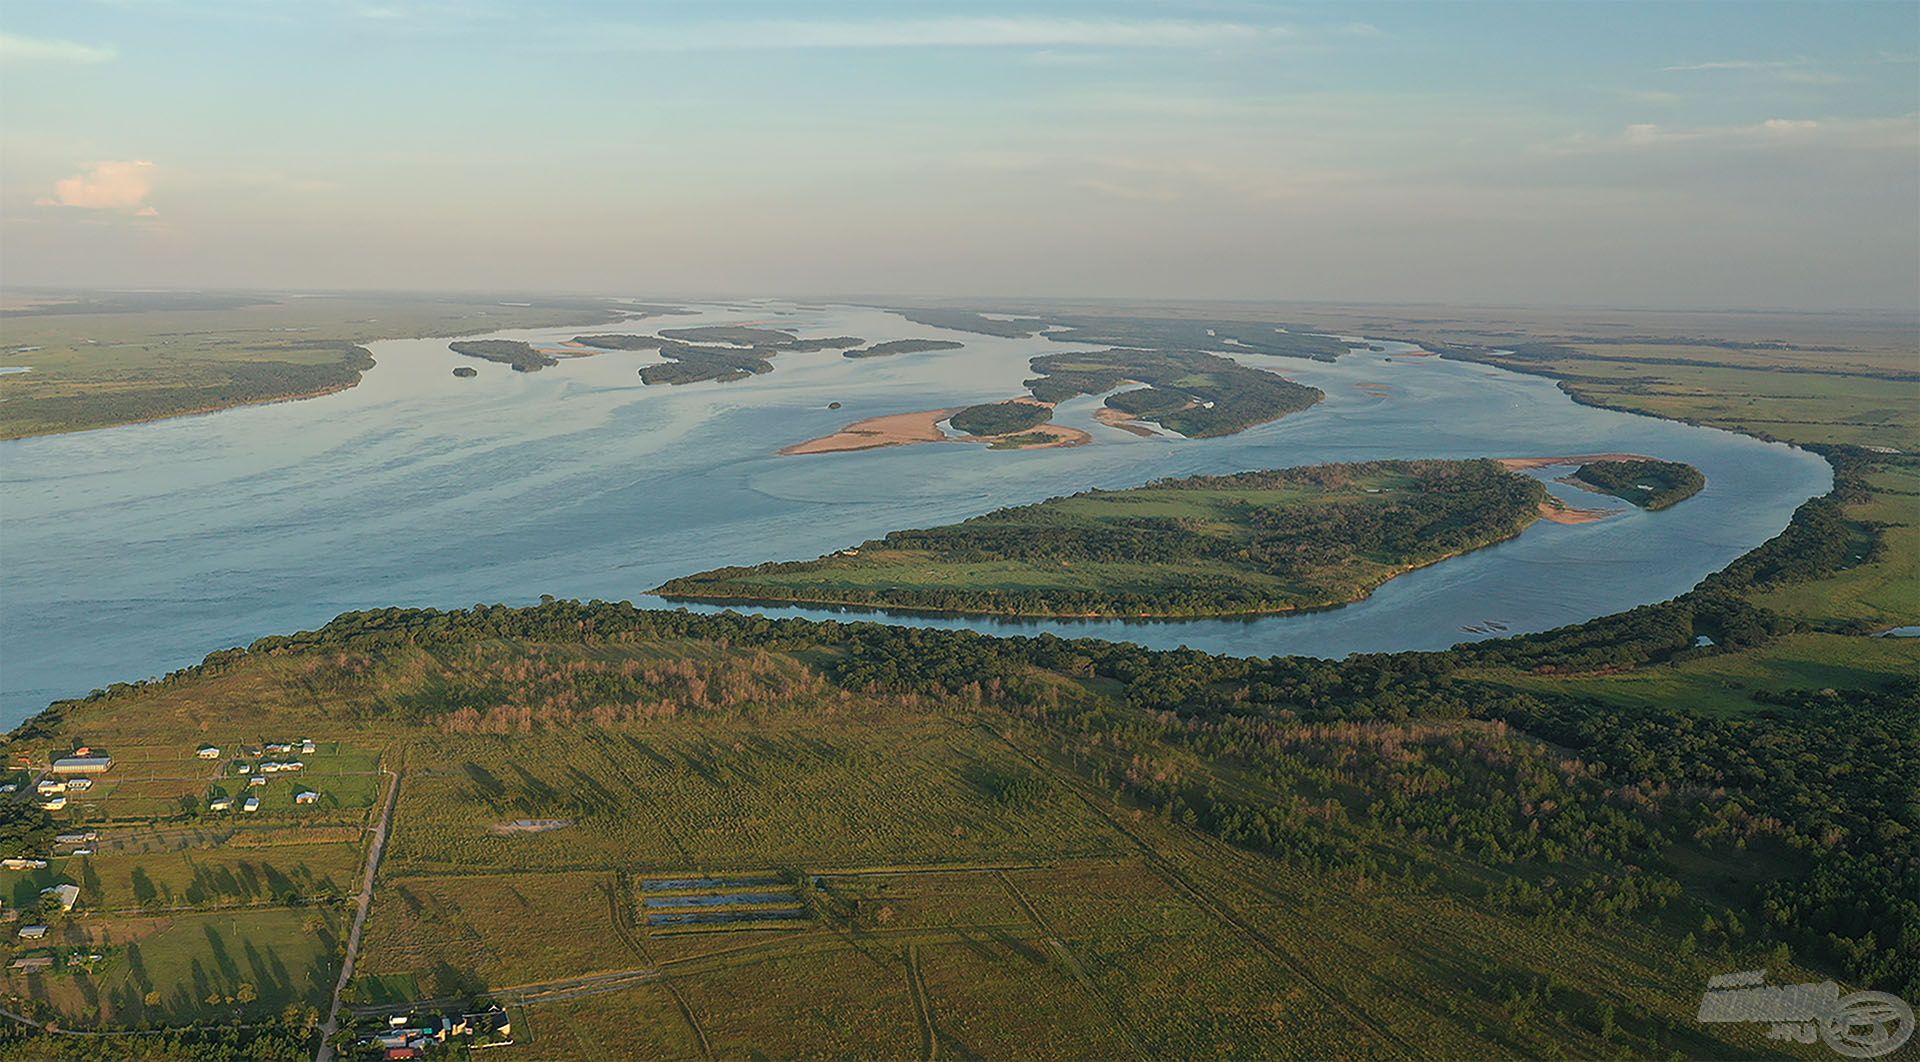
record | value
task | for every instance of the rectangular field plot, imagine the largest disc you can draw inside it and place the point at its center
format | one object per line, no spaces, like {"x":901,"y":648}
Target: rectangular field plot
{"x":182,"y":968}
{"x":464,"y":932}
{"x":212,"y":877}
{"x":921,"y":899}
{"x":642,"y":1022}
{"x":1000,"y":997}
{"x":834,"y":1004}
{"x":908,"y":790}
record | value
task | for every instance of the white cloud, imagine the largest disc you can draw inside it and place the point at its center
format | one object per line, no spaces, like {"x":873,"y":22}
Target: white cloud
{"x":17,"y":49}
{"x":117,"y":186}
{"x":1019,"y":31}
{"x":1798,"y":70}
{"x":1901,"y":133}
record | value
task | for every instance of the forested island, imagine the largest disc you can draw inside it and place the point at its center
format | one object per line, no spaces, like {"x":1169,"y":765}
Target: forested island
{"x":722,"y":353}
{"x":1652,"y":485}
{"x":1172,"y":333}
{"x":1251,"y":543}
{"x":1197,"y":394}
{"x":1000,"y":418}
{"x":520,"y":356}
{"x":904,"y":346}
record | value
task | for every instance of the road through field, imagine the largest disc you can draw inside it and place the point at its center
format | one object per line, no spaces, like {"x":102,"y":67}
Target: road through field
{"x":379,"y":845}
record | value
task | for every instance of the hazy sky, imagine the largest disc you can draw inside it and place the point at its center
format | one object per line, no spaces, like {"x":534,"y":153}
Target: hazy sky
{"x":1710,"y":154}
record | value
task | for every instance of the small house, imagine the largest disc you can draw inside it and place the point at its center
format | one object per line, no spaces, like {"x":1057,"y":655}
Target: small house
{"x":79,"y":785}
{"x":220,"y":803}
{"x":258,"y":779}
{"x":10,"y":787}
{"x":67,"y":894}
{"x":306,"y":747}
{"x":32,"y":932}
{"x":76,"y":838}
{"x":83,"y":764}
{"x":306,"y":796}
{"x":53,"y":803}
{"x":252,"y":804}
{"x":279,"y":746}
{"x":208,"y":752}
{"x":50,"y":785}
{"x":82,"y":851}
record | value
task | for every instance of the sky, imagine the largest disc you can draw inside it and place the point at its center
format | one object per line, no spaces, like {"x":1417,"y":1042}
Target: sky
{"x":1725,"y":155}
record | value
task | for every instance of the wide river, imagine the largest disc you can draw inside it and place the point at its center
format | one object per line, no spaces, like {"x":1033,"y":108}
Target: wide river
{"x":127,"y":552}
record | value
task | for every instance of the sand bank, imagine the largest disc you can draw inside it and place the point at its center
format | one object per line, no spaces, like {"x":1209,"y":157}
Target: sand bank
{"x":1562,"y":513}
{"x":1114,"y":418}
{"x":894,"y":429}
{"x":923,"y":426}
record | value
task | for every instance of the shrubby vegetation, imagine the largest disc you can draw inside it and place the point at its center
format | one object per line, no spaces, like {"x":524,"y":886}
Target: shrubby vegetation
{"x":1198,"y":395}
{"x":616,"y":341}
{"x":969,"y":321}
{"x":1651,"y":485}
{"x":1001,"y":418}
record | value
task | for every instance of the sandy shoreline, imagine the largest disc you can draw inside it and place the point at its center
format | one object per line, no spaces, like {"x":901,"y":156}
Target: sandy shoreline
{"x":923,"y":426}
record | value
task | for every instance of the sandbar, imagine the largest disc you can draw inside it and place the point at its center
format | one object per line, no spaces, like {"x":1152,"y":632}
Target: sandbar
{"x":1520,"y":464}
{"x":1115,"y":418}
{"x":1562,"y":513}
{"x":923,"y":426}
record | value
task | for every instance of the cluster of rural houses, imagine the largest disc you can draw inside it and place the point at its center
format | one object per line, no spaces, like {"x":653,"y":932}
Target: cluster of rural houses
{"x":409,"y":1035}
{"x":70,"y":774}
{"x":257,"y":774}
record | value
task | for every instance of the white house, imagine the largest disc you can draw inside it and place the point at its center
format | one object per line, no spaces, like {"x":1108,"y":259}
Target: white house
{"x":220,"y":803}
{"x":53,"y":803}
{"x":306,"y":796}
{"x":252,"y":804}
{"x":208,"y":752}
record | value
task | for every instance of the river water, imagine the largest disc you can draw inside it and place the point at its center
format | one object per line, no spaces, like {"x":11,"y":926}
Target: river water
{"x":130,"y":551}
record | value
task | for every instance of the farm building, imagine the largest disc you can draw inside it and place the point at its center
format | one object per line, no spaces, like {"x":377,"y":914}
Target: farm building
{"x":258,"y":779}
{"x":307,"y":747}
{"x":306,"y":796}
{"x":32,"y":932}
{"x":83,"y":765}
{"x":68,"y":895}
{"x":79,"y":785}
{"x":33,"y":963}
{"x":22,"y":863}
{"x":50,"y":785}
{"x":220,"y":803}
{"x":53,"y":803}
{"x":252,"y":804}
{"x":208,"y":752}
{"x":280,"y":746}
{"x":77,"y":838}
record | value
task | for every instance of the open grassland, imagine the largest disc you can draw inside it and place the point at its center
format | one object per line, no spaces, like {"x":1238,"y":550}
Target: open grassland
{"x":107,"y":360}
{"x":1215,"y":545}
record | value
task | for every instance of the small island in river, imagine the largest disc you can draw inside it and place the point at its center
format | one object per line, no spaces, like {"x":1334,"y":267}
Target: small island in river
{"x":903,"y":346}
{"x":521,"y":357}
{"x":1256,"y":542}
{"x":1650,"y":484}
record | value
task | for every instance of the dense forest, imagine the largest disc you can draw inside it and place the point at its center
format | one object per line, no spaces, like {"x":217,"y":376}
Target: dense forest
{"x":725,"y":353}
{"x":1649,"y":484}
{"x":1000,"y":418}
{"x":1208,"y":545}
{"x":1196,"y":394}
{"x":511,"y":352}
